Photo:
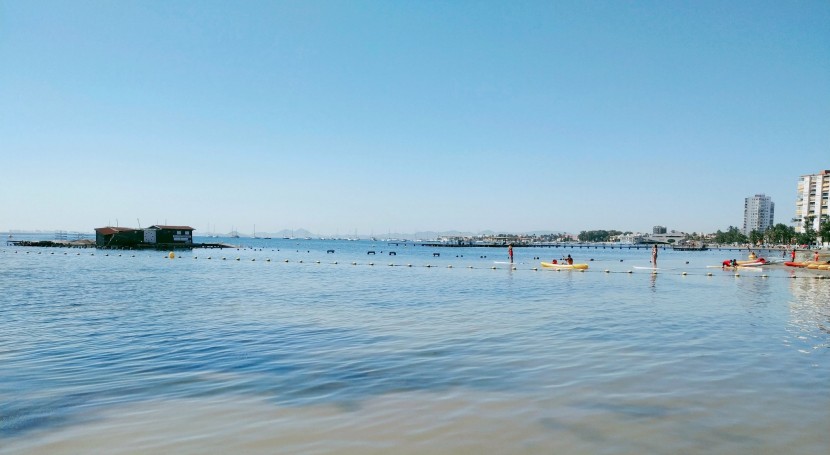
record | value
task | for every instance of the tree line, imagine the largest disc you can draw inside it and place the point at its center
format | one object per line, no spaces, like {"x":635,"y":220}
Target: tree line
{"x":780,"y":234}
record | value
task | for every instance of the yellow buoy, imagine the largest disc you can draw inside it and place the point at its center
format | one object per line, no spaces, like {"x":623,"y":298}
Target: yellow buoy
{"x":172,"y":255}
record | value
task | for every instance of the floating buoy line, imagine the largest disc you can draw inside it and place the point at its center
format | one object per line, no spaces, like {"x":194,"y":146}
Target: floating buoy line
{"x":817,"y":274}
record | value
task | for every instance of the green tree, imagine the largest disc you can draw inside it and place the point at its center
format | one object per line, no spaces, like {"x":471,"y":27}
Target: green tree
{"x":732,"y":235}
{"x":824,"y":229}
{"x":780,"y":234}
{"x":808,"y":237}
{"x":597,"y":236}
{"x":756,"y":237}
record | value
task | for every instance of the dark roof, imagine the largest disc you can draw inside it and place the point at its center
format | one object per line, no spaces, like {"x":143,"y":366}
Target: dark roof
{"x":172,"y":228}
{"x":113,"y":229}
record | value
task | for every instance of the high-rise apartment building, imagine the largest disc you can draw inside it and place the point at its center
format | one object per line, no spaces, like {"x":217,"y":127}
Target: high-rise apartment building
{"x":759,"y":211}
{"x":812,"y":200}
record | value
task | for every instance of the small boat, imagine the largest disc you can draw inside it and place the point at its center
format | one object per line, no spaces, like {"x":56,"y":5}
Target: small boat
{"x":751,"y":264}
{"x":752,"y":261}
{"x":551,"y":265}
{"x":796,"y":264}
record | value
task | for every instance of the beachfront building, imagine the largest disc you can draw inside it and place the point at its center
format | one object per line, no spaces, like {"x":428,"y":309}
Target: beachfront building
{"x":658,"y":230}
{"x":812,"y":200}
{"x":117,"y":237}
{"x":759,"y":211}
{"x":153,"y":237}
{"x":159,"y":234}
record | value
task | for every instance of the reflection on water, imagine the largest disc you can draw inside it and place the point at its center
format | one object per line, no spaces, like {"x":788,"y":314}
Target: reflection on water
{"x":810,"y":309}
{"x":146,"y":354}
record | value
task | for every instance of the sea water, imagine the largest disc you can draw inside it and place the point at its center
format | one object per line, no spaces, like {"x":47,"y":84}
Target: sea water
{"x":280,"y":346}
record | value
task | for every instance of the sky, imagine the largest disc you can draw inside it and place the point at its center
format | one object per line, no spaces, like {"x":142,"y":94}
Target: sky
{"x":345,"y":117}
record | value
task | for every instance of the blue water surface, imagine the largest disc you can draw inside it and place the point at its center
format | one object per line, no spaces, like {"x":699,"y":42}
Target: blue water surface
{"x":285,"y":320}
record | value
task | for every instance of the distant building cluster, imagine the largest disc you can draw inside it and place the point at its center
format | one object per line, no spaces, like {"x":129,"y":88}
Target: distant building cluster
{"x":811,"y":206}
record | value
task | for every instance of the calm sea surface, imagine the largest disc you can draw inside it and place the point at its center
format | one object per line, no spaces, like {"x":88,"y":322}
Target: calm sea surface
{"x":132,"y":352}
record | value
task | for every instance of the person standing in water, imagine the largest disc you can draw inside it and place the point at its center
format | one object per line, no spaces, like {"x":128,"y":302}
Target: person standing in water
{"x":654,"y":256}
{"x":510,"y":252}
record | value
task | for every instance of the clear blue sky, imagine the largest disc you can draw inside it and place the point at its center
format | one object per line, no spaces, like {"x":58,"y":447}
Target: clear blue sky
{"x":402,"y":116}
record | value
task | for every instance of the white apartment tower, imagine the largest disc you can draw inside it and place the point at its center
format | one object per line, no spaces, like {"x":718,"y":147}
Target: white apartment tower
{"x":759,"y":211}
{"x":812,"y":200}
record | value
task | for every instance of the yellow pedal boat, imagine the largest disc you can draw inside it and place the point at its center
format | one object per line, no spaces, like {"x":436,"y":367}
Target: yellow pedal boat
{"x":551,"y":265}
